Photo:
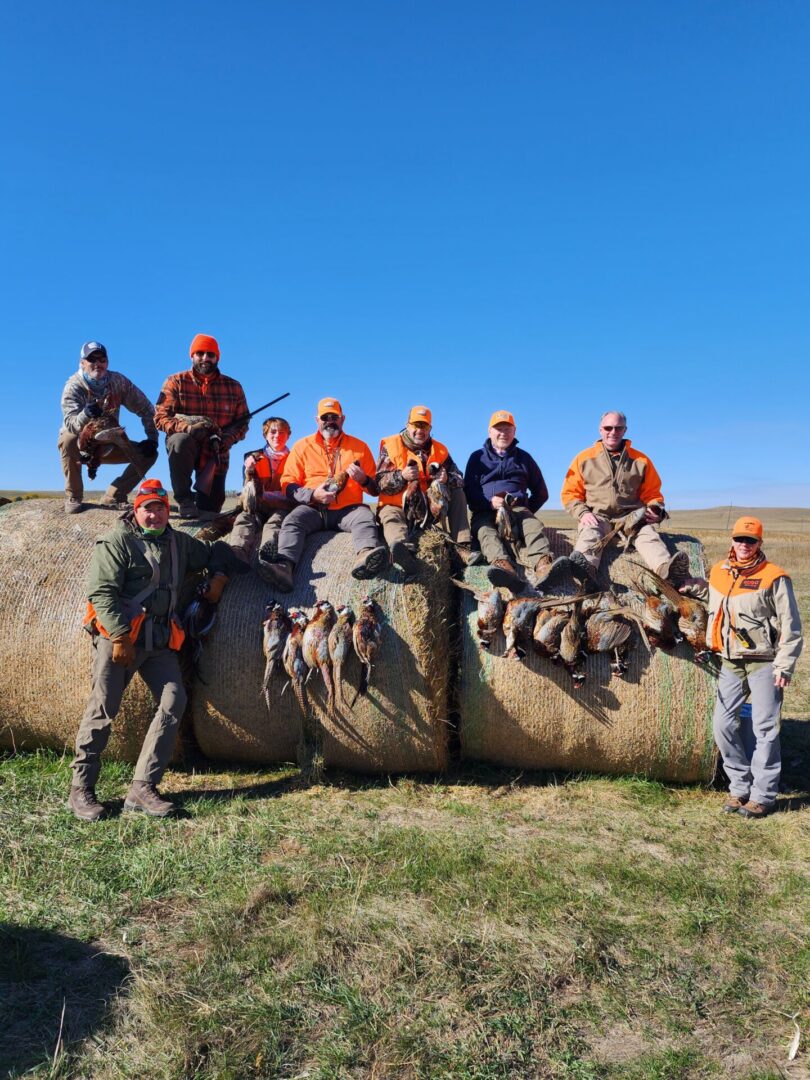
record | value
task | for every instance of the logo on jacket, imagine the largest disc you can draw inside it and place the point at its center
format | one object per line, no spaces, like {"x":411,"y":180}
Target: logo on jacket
{"x":751,"y":583}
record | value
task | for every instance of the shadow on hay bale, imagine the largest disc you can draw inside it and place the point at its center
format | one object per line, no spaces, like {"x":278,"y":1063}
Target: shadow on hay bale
{"x":399,"y":726}
{"x":655,"y":722}
{"x":45,"y":655}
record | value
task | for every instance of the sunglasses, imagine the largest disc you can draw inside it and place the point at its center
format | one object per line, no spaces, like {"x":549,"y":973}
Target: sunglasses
{"x":745,"y":539}
{"x":158,"y":493}
{"x":613,"y":427}
{"x":205,"y":356}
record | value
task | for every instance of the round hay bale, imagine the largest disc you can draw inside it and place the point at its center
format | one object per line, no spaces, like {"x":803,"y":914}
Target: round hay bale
{"x":655,"y":722}
{"x":399,"y":726}
{"x":45,"y":655}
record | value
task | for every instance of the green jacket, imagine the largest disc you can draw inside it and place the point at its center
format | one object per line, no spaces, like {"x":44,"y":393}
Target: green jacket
{"x":119,"y":572}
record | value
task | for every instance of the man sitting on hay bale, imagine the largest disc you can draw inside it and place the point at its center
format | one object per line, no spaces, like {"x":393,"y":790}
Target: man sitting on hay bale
{"x":505,"y":490}
{"x":326,"y":475}
{"x":420,"y":485}
{"x":612,"y":482}
{"x":91,"y":434}
{"x":203,"y":414}
{"x":136,"y":573}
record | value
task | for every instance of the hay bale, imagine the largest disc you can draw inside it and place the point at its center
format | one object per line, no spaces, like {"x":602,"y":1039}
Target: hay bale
{"x":45,"y":656}
{"x":655,"y":722}
{"x":400,"y":726}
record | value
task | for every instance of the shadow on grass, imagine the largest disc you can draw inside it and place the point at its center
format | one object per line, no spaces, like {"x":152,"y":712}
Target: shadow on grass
{"x":54,"y":990}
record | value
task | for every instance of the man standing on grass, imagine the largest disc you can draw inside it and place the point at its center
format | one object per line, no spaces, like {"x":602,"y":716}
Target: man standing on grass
{"x":136,"y":573}
{"x":199,"y":410}
{"x":754,"y":625}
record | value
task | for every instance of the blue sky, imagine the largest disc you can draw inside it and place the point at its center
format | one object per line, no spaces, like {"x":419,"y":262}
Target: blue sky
{"x":551,"y":208}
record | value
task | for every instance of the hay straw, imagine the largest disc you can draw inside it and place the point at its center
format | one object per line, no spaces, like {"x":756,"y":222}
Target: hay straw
{"x":655,"y":722}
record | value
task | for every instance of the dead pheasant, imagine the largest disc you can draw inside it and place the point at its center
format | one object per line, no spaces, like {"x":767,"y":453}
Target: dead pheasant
{"x":366,"y":636}
{"x":337,"y":482}
{"x":490,"y":612}
{"x":610,"y":632}
{"x":415,"y":505}
{"x":626,"y":529}
{"x":340,"y":646}
{"x":692,"y":615}
{"x":293,"y":659}
{"x":547,"y":632}
{"x":571,"y":652}
{"x":275,"y":628}
{"x":518,"y":624}
{"x":504,"y":522}
{"x":316,"y":648}
{"x":99,"y":433}
{"x":438,"y":493}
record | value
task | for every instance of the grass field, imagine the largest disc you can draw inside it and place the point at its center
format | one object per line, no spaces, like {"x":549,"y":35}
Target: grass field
{"x":488,"y":924}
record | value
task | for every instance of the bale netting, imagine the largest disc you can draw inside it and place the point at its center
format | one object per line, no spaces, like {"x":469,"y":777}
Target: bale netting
{"x":654,"y":722}
{"x":45,"y":655}
{"x":400,"y":725}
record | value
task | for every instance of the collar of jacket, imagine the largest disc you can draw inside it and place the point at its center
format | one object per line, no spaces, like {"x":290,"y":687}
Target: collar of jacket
{"x":206,"y":380}
{"x":132,"y":526}
{"x":333,"y":445}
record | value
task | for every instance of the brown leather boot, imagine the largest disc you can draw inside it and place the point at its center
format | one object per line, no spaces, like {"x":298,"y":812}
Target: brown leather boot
{"x":404,"y":557}
{"x":504,"y":572}
{"x":146,"y":799}
{"x":548,"y":570}
{"x":755,"y":810}
{"x":733,"y":804}
{"x":467,"y":556}
{"x":84,"y":804}
{"x":279,"y":574}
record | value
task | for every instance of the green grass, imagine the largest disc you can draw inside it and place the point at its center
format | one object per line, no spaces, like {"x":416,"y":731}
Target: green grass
{"x":565,"y":928}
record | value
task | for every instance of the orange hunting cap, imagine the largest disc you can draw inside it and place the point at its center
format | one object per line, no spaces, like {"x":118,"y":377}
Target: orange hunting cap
{"x":747,"y":526}
{"x":151,"y":491}
{"x":329,"y":404}
{"x":204,"y":343}
{"x":420,"y":414}
{"x":501,"y":417}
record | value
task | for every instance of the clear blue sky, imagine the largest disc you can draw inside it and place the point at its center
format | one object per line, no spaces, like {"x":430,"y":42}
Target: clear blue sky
{"x":555,"y":208}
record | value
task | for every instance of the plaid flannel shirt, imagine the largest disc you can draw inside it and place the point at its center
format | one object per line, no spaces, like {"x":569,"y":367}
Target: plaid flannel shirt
{"x":220,"y":398}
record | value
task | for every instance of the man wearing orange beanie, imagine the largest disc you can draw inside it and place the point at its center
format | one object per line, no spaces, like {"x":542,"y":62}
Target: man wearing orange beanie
{"x":201,"y":411}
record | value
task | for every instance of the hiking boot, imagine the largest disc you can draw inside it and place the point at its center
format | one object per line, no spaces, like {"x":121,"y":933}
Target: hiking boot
{"x":73,"y":506}
{"x":733,"y":804}
{"x":278,"y":574}
{"x":84,"y":804}
{"x":467,"y":556}
{"x":404,"y":557}
{"x":369,"y":563}
{"x":755,"y":810}
{"x":549,"y":570}
{"x":269,"y":552}
{"x":187,"y":510}
{"x":503,"y":572}
{"x":584,"y":574}
{"x":145,"y":798}
{"x":113,"y":500}
{"x":678,"y":569}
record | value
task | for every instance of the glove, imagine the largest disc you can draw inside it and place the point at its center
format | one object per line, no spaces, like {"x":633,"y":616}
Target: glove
{"x":93,"y":409}
{"x":199,"y":426}
{"x":215,"y":442}
{"x":148,"y":447}
{"x":216,"y":587}
{"x":123,"y":651}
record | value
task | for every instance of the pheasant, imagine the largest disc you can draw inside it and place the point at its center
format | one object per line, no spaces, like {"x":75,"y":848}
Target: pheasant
{"x":293,"y":659}
{"x":490,"y":612}
{"x":340,"y":645}
{"x":315,"y":647}
{"x":275,"y":628}
{"x":693,"y":618}
{"x":366,"y":636}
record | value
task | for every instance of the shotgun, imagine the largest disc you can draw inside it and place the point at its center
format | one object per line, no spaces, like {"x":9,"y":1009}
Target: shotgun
{"x":205,"y":478}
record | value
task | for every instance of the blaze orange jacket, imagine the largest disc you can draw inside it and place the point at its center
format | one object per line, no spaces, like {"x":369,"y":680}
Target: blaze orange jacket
{"x":753,"y":615}
{"x":400,"y":455}
{"x":310,"y":464}
{"x":592,"y":485}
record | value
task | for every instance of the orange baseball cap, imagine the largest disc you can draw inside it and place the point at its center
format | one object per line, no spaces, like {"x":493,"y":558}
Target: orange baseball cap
{"x":329,"y":404}
{"x":151,"y":491}
{"x":501,"y":417}
{"x":747,"y":526}
{"x":204,"y":343}
{"x":420,"y":414}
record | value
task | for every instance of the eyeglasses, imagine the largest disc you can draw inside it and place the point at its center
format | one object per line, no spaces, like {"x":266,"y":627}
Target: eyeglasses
{"x":613,"y":427}
{"x":745,"y":539}
{"x":330,"y":416}
{"x":205,"y":356}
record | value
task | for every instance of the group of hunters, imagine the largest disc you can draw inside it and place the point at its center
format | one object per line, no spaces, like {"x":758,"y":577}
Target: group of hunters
{"x":318,"y":484}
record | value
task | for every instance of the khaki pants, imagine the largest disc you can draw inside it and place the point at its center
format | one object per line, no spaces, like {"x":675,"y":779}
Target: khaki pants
{"x":395,"y":527}
{"x":531,"y":543}
{"x":250,"y":531}
{"x":649,"y":545}
{"x":160,"y":670}
{"x":138,"y":466}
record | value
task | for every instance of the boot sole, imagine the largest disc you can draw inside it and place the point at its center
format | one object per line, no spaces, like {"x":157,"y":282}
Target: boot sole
{"x":405,"y":558}
{"x":136,"y":808}
{"x":372,"y":566}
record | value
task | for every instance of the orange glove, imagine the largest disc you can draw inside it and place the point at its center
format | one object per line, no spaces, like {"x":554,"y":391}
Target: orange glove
{"x":215,"y":588}
{"x":123,"y":651}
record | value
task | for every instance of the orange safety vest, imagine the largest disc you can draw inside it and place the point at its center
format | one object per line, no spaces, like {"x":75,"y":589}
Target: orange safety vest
{"x":264,"y":470}
{"x":177,"y":634}
{"x":400,"y":455}
{"x":729,"y":585}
